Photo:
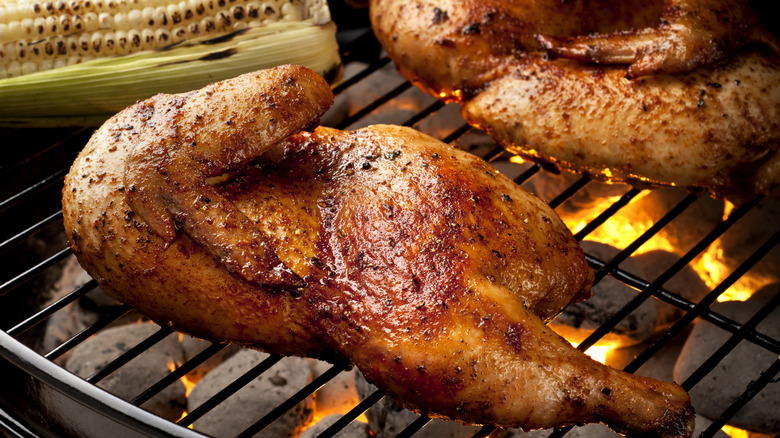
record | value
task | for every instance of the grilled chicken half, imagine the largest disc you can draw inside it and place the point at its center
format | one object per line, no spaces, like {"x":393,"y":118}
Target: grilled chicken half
{"x":673,"y":92}
{"x":382,"y":247}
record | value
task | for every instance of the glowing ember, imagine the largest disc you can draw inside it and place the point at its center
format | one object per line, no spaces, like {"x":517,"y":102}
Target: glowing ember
{"x":319,"y":415}
{"x":713,"y":269}
{"x":621,"y":230}
{"x":733,"y":432}
{"x":454,"y":96}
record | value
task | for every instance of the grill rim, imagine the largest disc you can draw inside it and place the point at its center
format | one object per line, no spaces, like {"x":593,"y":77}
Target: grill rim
{"x":80,"y":393}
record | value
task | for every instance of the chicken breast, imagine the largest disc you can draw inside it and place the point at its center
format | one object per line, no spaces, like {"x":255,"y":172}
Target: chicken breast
{"x":693,"y":101}
{"x":415,"y":261}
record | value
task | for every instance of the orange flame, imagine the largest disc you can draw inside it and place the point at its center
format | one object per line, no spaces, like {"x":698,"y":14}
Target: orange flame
{"x":597,"y":352}
{"x":188,"y":384}
{"x":733,"y":432}
{"x":621,"y":230}
{"x":713,"y":269}
{"x":184,"y":414}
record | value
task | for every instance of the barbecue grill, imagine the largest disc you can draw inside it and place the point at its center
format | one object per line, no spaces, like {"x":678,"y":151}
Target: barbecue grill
{"x":40,"y":398}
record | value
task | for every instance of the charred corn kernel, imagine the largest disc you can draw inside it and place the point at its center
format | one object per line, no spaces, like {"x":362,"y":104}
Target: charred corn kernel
{"x":77,"y":62}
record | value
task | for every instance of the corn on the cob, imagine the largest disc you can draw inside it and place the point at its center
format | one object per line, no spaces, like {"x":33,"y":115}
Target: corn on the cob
{"x":78,"y":61}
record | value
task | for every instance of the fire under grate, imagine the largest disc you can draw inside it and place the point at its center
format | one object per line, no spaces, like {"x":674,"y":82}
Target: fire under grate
{"x":41,"y":398}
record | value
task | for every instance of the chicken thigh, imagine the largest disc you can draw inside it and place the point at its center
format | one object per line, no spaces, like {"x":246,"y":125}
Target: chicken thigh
{"x":683,"y":93}
{"x":416,"y":262}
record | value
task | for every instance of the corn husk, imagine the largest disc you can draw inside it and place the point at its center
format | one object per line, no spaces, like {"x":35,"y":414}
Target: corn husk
{"x":88,"y":93}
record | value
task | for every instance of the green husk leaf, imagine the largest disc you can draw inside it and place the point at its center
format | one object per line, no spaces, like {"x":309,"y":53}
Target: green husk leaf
{"x":87,"y":94}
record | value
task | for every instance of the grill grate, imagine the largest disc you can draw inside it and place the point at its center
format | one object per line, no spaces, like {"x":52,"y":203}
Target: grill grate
{"x":42,"y":399}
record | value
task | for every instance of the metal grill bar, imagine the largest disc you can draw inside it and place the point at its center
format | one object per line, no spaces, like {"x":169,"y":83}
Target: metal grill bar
{"x":754,"y":388}
{"x":129,"y":355}
{"x":288,"y":404}
{"x":701,"y":309}
{"x":75,"y":137}
{"x":356,"y":48}
{"x":569,"y":192}
{"x":355,"y":412}
{"x":607,"y":213}
{"x":229,"y":390}
{"x":494,"y":154}
{"x":414,"y":427}
{"x":523,"y":177}
{"x":706,"y":241}
{"x":338,"y":89}
{"x":645,"y":294}
{"x":647,"y":235}
{"x":4,"y":132}
{"x":13,"y":425}
{"x":705,"y":302}
{"x":395,"y":92}
{"x":32,"y":189}
{"x":33,"y":272}
{"x":30,"y":231}
{"x":458,"y":133}
{"x":178,"y":373}
{"x":484,"y":432}
{"x":668,"y":297}
{"x":427,"y":111}
{"x":729,"y":345}
{"x":51,"y":309}
{"x":110,"y":316}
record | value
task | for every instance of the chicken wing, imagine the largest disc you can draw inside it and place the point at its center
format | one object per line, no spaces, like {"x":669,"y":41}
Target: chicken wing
{"x":422,"y":265}
{"x":701,"y":111}
{"x":166,"y":183}
{"x":689,"y":34}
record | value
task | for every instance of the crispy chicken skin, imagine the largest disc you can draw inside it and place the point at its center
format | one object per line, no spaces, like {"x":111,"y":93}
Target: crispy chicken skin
{"x":166,"y":182}
{"x":601,"y":87}
{"x":423,"y":266}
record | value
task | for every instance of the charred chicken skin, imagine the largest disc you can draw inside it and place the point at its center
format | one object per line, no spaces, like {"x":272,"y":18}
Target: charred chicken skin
{"x":683,"y":93}
{"x":412,"y":260}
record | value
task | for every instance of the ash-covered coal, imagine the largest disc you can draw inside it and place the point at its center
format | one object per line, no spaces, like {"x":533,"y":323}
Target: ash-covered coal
{"x":601,"y":431}
{"x":259,"y":397}
{"x":339,"y":395}
{"x":724,"y":384}
{"x":578,"y":321}
{"x":142,"y":372}
{"x":193,"y":346}
{"x":750,"y":232}
{"x":686,"y":283}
